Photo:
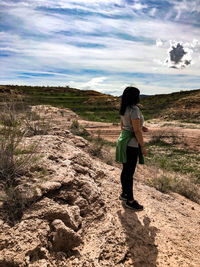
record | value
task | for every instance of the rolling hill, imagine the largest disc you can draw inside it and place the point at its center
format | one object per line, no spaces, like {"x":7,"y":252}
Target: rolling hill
{"x":93,"y":105}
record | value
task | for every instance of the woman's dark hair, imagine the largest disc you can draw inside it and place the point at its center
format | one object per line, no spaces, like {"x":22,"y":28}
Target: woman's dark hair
{"x":131,"y":96}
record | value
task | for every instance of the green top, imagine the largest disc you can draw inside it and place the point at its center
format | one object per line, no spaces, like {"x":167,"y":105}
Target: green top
{"x":121,"y":146}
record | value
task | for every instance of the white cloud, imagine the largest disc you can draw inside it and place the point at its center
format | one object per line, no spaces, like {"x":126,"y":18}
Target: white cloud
{"x":138,"y":6}
{"x":94,"y":83}
{"x":159,"y":42}
{"x":195,"y":43}
{"x":152,"y":12}
{"x":185,"y":6}
{"x":103,"y":6}
{"x":57,"y":42}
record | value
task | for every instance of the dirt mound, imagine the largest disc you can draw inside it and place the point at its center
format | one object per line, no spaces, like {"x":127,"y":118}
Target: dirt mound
{"x":74,"y":216}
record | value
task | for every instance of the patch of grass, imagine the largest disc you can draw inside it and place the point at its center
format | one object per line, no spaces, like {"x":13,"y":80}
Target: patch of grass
{"x":178,"y":160}
{"x":162,"y":183}
{"x":186,"y":188}
{"x":170,"y":159}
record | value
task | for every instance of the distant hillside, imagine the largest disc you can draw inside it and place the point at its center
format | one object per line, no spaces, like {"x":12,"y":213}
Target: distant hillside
{"x":184,"y":105}
{"x":89,"y":104}
{"x":93,"y":105}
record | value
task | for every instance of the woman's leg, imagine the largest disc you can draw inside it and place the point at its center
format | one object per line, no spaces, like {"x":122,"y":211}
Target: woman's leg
{"x":123,"y":181}
{"x":128,"y":172}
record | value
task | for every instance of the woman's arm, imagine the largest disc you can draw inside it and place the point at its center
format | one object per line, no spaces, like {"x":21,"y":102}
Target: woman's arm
{"x":121,"y":124}
{"x":138,"y":134}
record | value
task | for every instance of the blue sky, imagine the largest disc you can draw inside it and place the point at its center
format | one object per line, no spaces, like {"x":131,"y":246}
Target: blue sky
{"x":104,"y":45}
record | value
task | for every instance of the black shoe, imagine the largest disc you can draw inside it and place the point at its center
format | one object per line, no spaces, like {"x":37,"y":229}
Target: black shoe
{"x":123,"y":196}
{"x":134,"y":206}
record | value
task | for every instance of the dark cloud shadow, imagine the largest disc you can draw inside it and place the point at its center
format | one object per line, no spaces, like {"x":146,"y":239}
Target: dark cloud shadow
{"x":140,"y":239}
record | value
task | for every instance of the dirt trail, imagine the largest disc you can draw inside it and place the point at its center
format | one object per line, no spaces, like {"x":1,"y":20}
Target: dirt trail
{"x":164,"y":234}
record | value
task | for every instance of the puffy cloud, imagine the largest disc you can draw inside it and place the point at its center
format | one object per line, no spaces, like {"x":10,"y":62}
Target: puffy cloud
{"x":195,"y":43}
{"x":139,"y":6}
{"x":94,"y":82}
{"x":180,"y":54}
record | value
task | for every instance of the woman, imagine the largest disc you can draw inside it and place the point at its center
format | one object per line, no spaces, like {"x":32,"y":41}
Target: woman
{"x":130,"y":144}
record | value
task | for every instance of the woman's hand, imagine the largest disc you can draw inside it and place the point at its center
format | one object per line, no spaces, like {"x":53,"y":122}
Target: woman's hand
{"x":145,"y":129}
{"x":144,"y":151}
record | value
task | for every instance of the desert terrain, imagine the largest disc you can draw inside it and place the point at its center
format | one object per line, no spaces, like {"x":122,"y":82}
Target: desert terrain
{"x":72,"y":215}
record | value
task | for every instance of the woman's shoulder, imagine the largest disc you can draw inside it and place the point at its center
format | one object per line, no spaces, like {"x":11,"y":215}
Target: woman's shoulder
{"x":134,"y":107}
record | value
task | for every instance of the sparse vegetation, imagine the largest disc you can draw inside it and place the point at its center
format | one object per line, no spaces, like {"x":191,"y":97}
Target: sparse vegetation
{"x":166,"y":183}
{"x":174,"y":106}
{"x":177,"y":160}
{"x":13,"y":204}
{"x":13,"y":160}
{"x":96,"y":147}
{"x":164,"y":155}
{"x":35,"y":125}
{"x":162,"y":183}
{"x":16,"y":158}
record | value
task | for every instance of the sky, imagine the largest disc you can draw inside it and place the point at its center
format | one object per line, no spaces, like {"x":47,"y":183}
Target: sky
{"x":102,"y":45}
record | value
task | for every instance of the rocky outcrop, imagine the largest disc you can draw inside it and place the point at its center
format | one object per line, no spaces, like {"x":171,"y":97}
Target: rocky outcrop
{"x":56,"y":210}
{"x":50,"y":210}
{"x":63,"y":237}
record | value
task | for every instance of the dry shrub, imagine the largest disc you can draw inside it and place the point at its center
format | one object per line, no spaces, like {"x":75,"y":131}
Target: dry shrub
{"x":107,"y":157}
{"x":78,"y":129}
{"x":15,"y":158}
{"x":37,"y":127}
{"x":96,"y":146}
{"x":99,"y":148}
{"x":166,"y":138}
{"x":162,"y":183}
{"x":13,"y":205}
{"x":187,"y":189}
{"x":8,"y":115}
{"x":165,"y":183}
{"x":35,"y":124}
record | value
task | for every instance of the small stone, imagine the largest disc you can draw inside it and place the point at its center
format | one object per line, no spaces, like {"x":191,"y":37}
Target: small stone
{"x":50,"y":186}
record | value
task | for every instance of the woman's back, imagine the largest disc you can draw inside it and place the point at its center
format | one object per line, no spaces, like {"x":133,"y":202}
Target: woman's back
{"x":131,"y":113}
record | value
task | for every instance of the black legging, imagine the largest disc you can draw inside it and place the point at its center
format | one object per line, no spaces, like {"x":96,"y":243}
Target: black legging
{"x":128,"y":172}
